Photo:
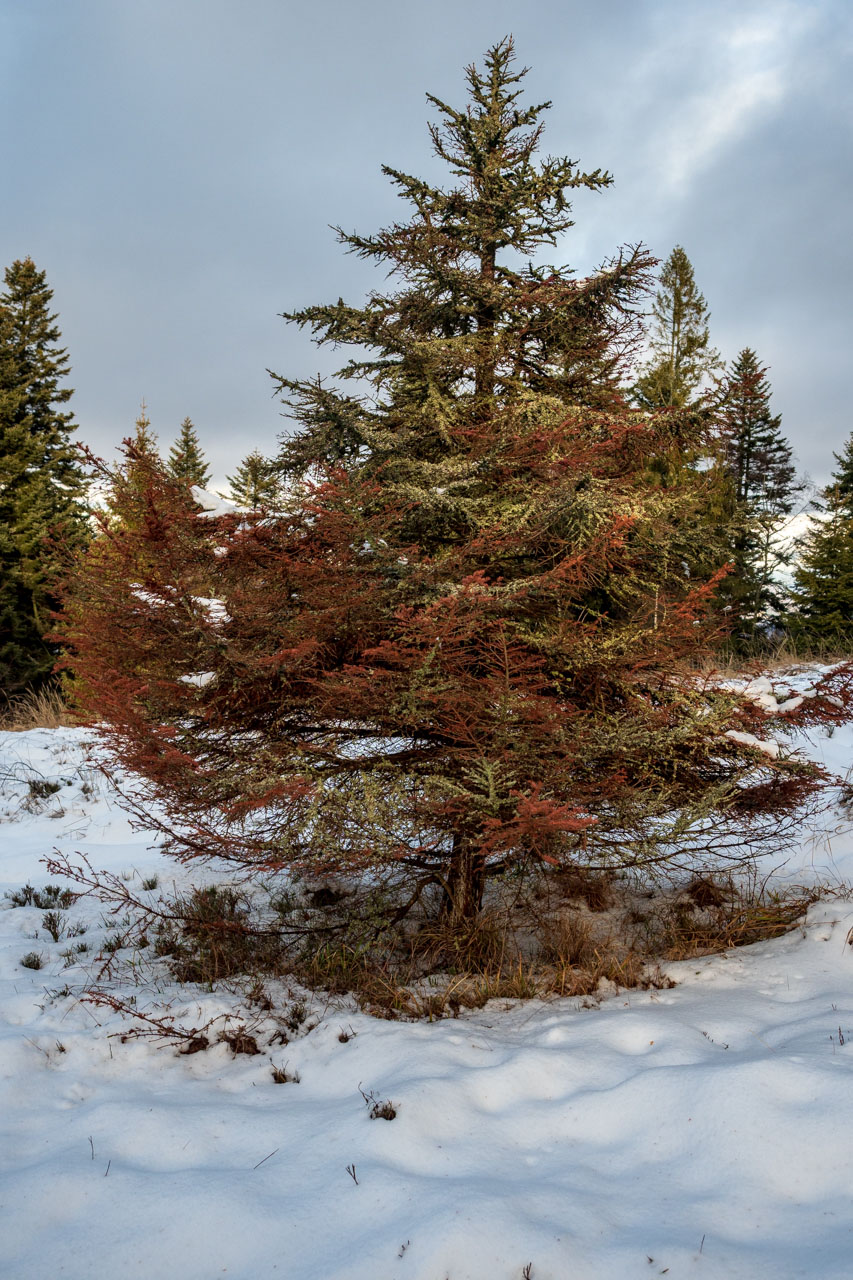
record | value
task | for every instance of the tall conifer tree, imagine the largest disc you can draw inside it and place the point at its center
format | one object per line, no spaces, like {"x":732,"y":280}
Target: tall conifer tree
{"x":759,"y":462}
{"x":144,"y":440}
{"x":41,"y":481}
{"x":255,"y":483}
{"x":141,"y":460}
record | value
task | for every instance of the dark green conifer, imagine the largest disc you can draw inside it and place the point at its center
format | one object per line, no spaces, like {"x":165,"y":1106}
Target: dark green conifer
{"x":186,"y":461}
{"x":476,"y":332}
{"x":758,"y":460}
{"x":824,"y":575}
{"x":41,"y":480}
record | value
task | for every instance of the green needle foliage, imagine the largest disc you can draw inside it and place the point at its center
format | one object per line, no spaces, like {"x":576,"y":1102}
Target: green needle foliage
{"x":474,"y":327}
{"x":141,"y":455}
{"x":255,"y":483}
{"x":42,"y":485}
{"x":824,"y":574}
{"x":680,"y":352}
{"x":144,"y":440}
{"x":186,"y":460}
{"x":758,"y":461}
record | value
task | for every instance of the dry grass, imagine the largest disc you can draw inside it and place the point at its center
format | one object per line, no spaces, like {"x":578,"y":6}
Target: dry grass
{"x":435,"y":971}
{"x":716,"y":915}
{"x":211,"y":938}
{"x":424,"y":971}
{"x":764,"y":657}
{"x":37,"y":709}
{"x":572,"y":938}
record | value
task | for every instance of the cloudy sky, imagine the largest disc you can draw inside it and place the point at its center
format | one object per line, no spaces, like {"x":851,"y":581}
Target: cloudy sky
{"x":174,"y":165}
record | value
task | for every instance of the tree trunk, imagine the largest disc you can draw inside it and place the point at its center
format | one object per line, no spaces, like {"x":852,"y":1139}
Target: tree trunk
{"x":465,"y":881}
{"x":485,"y":372}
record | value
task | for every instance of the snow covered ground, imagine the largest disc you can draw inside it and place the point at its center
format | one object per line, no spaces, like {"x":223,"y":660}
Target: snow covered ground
{"x":702,"y":1131}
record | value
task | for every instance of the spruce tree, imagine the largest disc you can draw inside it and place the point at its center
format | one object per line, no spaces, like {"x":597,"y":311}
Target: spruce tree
{"x":41,"y":481}
{"x":255,"y":483}
{"x":758,"y":460}
{"x":466,"y":648}
{"x":144,"y":440}
{"x":141,"y":458}
{"x":186,"y":461}
{"x":823,"y":593}
{"x":680,"y":354}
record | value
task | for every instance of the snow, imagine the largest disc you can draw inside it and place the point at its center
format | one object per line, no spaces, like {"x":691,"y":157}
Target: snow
{"x":700,"y":1131}
{"x":213,"y":505}
{"x":201,"y":679}
{"x":769,"y":746}
{"x":216,"y":612}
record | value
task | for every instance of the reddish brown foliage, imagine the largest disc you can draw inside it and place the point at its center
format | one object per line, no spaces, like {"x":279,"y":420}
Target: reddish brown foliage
{"x":367,"y":704}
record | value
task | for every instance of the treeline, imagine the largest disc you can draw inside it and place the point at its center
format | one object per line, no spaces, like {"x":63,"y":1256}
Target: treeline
{"x":254,"y":484}
{"x":46,"y":490}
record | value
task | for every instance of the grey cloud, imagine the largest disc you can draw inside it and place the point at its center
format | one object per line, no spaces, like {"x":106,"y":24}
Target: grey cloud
{"x":176,"y":164}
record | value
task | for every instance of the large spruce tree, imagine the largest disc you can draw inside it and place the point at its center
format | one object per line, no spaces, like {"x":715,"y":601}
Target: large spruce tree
{"x":759,"y":462}
{"x":41,"y":481}
{"x":463,"y":648}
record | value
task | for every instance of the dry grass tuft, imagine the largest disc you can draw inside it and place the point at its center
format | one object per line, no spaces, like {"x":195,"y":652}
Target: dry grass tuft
{"x":762,"y":656}
{"x":580,"y":960}
{"x":37,"y":709}
{"x":211,"y":937}
{"x":595,"y":889}
{"x":700,"y":924}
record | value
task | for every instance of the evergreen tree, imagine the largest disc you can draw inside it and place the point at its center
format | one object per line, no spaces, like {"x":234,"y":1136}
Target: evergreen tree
{"x":680,"y":355}
{"x":824,"y":574}
{"x":41,"y":481}
{"x":255,"y":483}
{"x":842,"y":486}
{"x":141,"y":459}
{"x":144,"y":440}
{"x":186,"y":461}
{"x":466,"y":646}
{"x":759,"y":463}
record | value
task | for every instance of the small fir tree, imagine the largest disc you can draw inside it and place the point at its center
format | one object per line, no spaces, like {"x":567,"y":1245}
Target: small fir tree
{"x":42,"y":484}
{"x":759,"y":462}
{"x":144,"y":440}
{"x":465,"y":648}
{"x":823,"y":592}
{"x":141,"y":457}
{"x":255,"y":483}
{"x":186,"y":460}
{"x":680,"y":354}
